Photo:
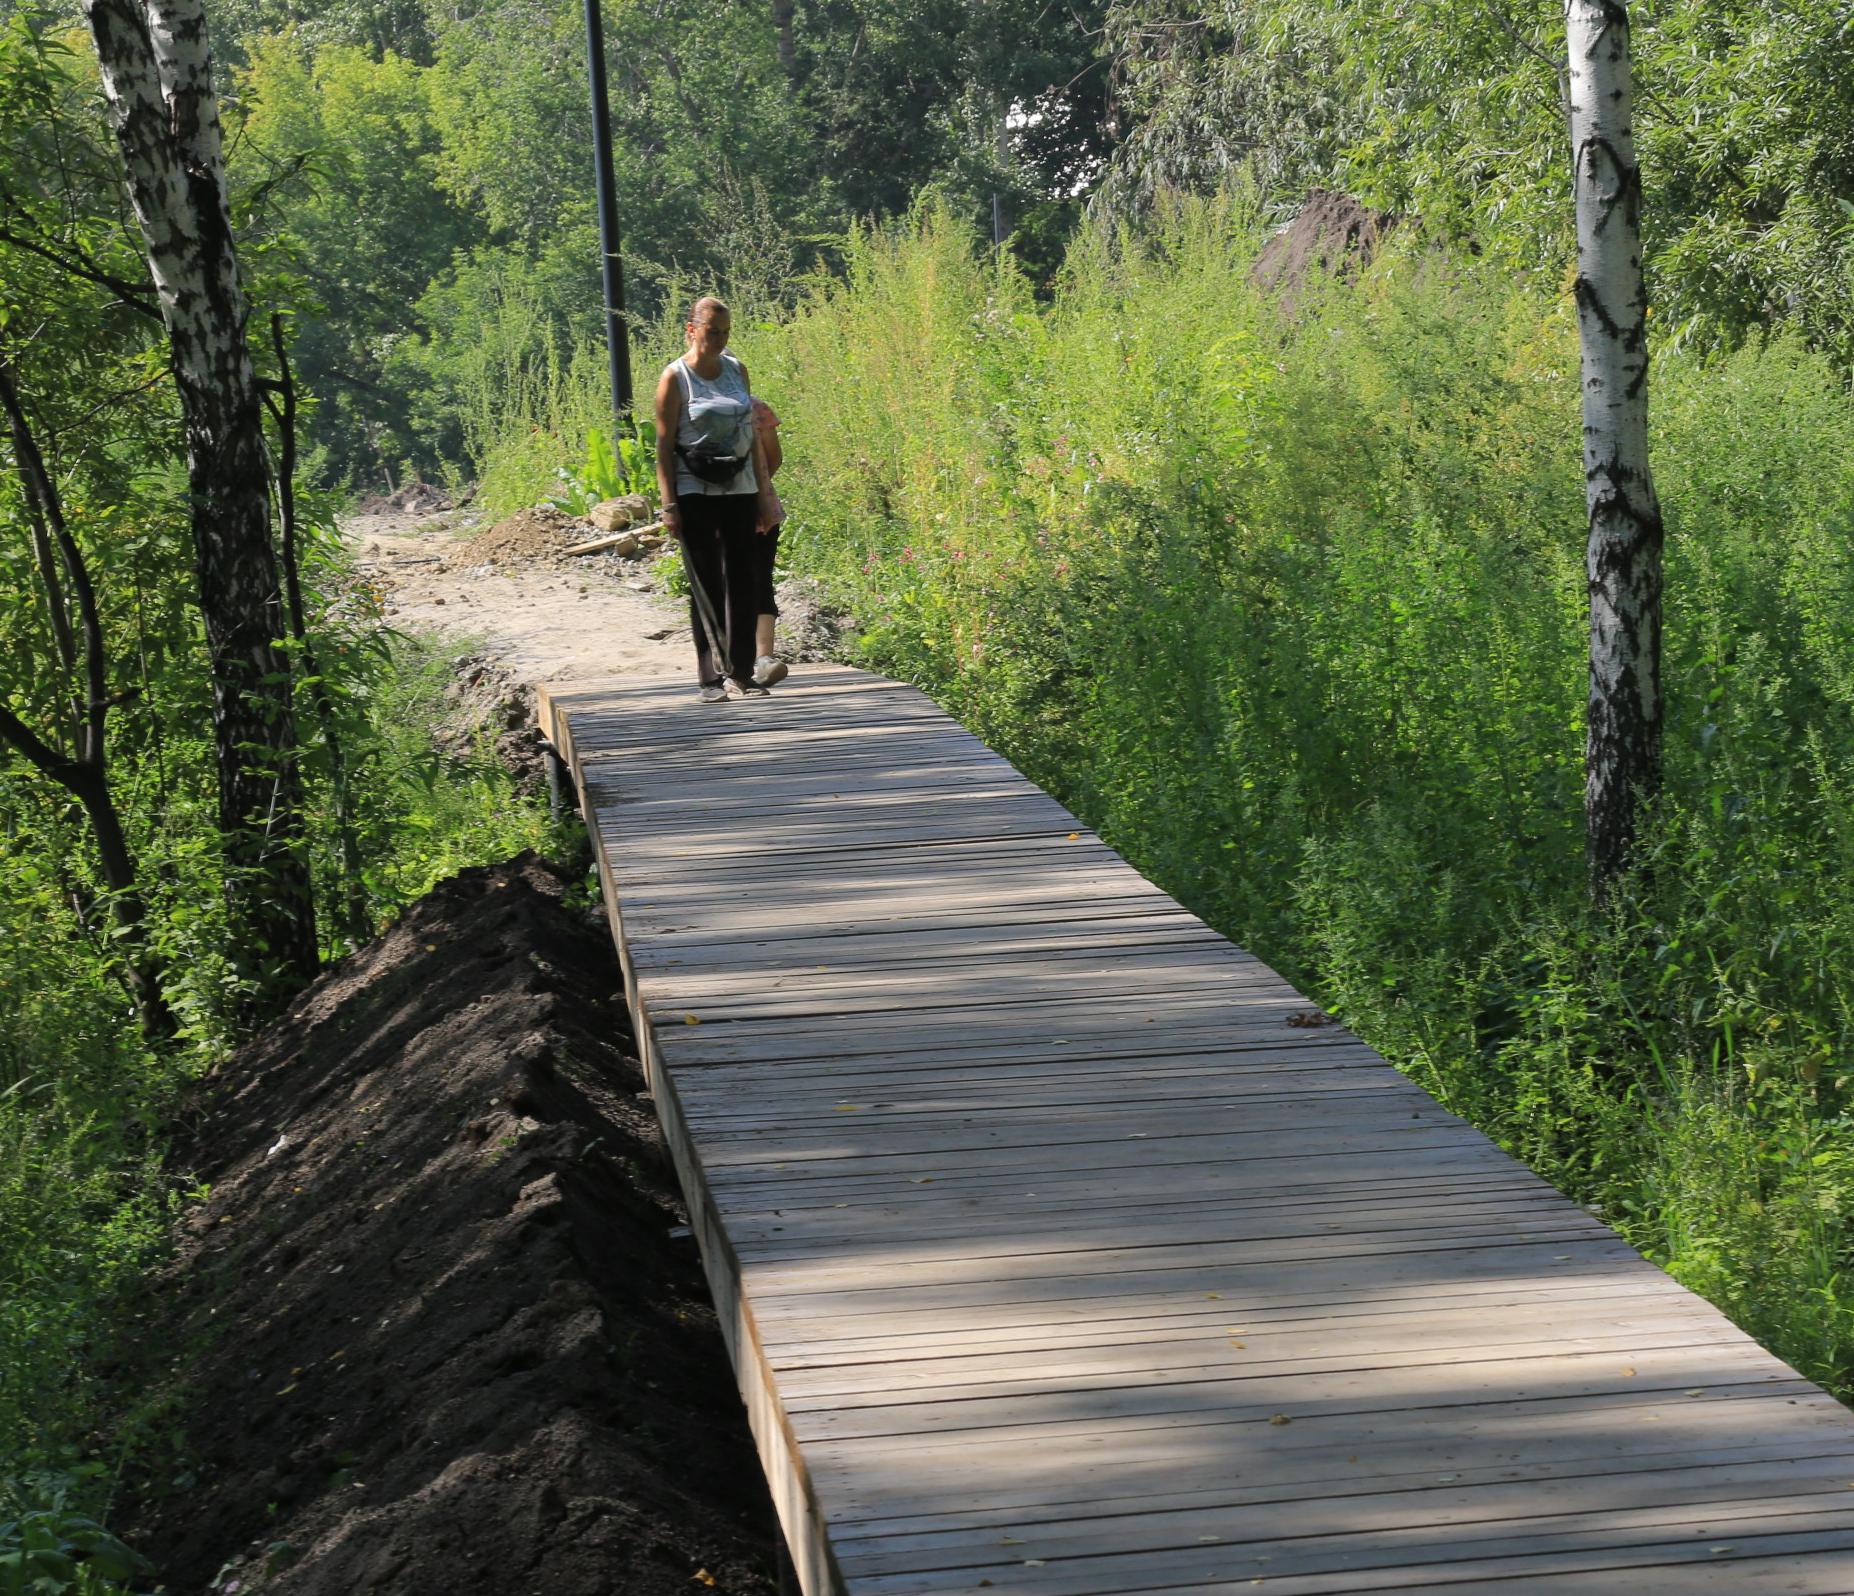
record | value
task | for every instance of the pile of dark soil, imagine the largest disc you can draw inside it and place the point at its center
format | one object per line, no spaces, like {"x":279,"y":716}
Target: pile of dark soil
{"x":529,"y":537}
{"x":441,"y":1337}
{"x":1333,"y":233}
{"x":415,"y":498}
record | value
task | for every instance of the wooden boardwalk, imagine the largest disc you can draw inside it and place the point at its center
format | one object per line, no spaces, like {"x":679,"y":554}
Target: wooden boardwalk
{"x":1061,"y":1251}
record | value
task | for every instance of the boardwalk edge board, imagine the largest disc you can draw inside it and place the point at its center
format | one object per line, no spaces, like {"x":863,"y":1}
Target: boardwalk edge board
{"x":1062,"y":1248}
{"x":806,"y":1544}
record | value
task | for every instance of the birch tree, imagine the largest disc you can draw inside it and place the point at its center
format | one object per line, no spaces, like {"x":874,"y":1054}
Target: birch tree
{"x":1622,"y":751}
{"x":157,"y":81}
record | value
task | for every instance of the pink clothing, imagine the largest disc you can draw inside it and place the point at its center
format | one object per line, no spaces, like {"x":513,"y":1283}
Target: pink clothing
{"x":765,"y":420}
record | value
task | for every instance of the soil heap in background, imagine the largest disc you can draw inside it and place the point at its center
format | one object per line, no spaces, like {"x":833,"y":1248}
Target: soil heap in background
{"x":1333,"y":233}
{"x":415,"y":498}
{"x":441,"y":1338}
{"x":540,"y":536}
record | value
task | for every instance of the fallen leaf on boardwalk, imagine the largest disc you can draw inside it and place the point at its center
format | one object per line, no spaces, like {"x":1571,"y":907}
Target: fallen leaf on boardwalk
{"x":1010,"y":1540}
{"x":1240,"y":1346}
{"x":1698,"y":1390}
{"x":1717,"y":1550}
{"x":703,"y":1577}
{"x":849,"y":1108}
{"x":1630,"y":1373}
{"x":1074,"y":836}
{"x":1214,"y":1296}
{"x":1209,"y":1540}
{"x":1280,"y":1418}
{"x":1308,"y":1019}
{"x":690,"y":1019}
{"x":1033,"y":1562}
{"x":287,"y":1389}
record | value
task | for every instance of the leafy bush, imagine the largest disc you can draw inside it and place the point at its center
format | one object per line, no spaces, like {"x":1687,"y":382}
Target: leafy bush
{"x":610,"y":469}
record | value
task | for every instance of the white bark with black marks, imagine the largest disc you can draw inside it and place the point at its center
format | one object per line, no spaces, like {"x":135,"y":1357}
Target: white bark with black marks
{"x":1623,"y":560}
{"x":157,"y":79}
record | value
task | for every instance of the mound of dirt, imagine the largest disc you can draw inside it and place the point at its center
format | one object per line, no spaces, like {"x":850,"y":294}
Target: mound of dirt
{"x":486,"y":699}
{"x":529,"y":537}
{"x":415,"y":498}
{"x":1332,"y":233}
{"x":442,"y":1336}
{"x":810,"y":628}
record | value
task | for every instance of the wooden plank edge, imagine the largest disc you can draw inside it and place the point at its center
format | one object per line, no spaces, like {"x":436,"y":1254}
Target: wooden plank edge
{"x":794,"y":1496}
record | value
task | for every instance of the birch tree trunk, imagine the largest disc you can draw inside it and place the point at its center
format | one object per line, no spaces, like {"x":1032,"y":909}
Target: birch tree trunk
{"x":1622,"y":756}
{"x":157,"y":79}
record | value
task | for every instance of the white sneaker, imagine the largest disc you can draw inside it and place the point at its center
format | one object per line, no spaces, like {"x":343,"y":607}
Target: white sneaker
{"x":714,"y":693}
{"x":768,"y":670}
{"x":735,"y":689}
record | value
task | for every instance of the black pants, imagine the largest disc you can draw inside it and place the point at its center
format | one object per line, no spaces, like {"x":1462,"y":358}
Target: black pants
{"x":765,"y":556}
{"x":718,"y":552}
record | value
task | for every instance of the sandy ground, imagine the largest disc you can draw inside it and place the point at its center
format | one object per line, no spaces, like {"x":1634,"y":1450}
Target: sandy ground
{"x":543,"y":626}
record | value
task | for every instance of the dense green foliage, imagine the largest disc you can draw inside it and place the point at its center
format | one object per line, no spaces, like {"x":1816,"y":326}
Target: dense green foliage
{"x":1291,"y":609}
{"x":1453,"y":110}
{"x":428,"y":175}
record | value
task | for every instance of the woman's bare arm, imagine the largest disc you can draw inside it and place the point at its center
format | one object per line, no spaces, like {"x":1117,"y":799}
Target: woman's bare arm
{"x":669,"y":418}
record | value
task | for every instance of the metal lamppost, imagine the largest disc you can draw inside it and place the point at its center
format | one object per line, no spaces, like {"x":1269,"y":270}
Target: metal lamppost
{"x":617,"y":336}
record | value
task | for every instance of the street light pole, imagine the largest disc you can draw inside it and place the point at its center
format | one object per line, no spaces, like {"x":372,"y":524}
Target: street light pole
{"x":617,"y":335}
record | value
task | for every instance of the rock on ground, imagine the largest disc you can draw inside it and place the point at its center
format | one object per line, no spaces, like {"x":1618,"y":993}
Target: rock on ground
{"x":440,"y":1336}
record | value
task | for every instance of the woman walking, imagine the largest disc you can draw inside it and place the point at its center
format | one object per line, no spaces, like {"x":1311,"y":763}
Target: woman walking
{"x":711,"y":497}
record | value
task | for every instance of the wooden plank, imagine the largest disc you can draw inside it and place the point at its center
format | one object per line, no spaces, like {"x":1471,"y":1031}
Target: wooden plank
{"x":946,"y":1481}
{"x":1029,"y":1203}
{"x":1551,"y":1499}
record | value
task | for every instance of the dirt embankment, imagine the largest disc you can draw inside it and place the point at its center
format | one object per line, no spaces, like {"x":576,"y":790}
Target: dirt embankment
{"x":444,"y":1337}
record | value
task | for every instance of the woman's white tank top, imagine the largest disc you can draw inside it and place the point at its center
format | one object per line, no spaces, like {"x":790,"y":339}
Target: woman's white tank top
{"x":717,"y":411}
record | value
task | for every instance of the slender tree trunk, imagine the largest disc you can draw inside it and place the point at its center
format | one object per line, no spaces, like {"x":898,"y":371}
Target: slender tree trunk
{"x":157,"y":78}
{"x":1622,"y":761}
{"x":85,"y":774}
{"x":782,"y":11}
{"x":355,"y":920}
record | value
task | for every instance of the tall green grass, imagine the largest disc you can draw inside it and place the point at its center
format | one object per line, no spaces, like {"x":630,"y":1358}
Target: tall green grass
{"x":1288,"y":601}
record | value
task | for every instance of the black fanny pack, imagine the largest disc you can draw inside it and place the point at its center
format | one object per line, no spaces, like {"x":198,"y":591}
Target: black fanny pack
{"x":709,"y":464}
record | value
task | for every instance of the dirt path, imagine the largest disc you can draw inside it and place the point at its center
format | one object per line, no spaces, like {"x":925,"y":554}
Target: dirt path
{"x":541,"y":622}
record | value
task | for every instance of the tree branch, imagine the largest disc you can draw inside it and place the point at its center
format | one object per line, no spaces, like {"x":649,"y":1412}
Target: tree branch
{"x":47,"y":760}
{"x":134,"y":296}
{"x":32,"y":467}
